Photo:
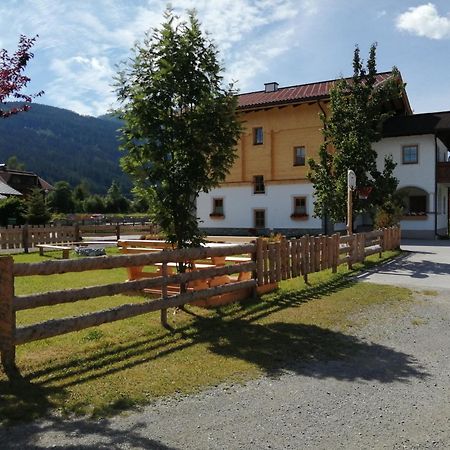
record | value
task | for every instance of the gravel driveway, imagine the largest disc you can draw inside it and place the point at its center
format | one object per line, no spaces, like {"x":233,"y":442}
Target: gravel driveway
{"x":425,"y":265}
{"x":392,"y":392}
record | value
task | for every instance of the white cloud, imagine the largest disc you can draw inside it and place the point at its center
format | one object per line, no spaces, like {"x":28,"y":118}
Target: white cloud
{"x":79,"y":78}
{"x":424,"y":20}
{"x":80,"y":42}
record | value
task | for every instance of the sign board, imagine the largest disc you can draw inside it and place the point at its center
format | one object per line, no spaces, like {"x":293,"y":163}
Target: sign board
{"x":351,"y":179}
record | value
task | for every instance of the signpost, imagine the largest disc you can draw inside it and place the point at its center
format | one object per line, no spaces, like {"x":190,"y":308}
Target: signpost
{"x":351,"y":185}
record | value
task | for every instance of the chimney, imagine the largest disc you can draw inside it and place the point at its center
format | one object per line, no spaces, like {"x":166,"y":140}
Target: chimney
{"x":271,"y":87}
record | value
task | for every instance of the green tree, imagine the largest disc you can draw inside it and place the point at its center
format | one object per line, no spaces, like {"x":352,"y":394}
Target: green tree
{"x":79,"y":195}
{"x":180,"y":126}
{"x":94,"y":204}
{"x":115,"y":202}
{"x":358,"y":108}
{"x":12,"y":208}
{"x":14,"y":163}
{"x":140,"y":202}
{"x":37,"y":210}
{"x":60,"y":199}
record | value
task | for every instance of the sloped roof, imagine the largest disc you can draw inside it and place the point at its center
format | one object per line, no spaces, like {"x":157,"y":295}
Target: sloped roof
{"x":7,"y":190}
{"x":428,"y":123}
{"x":293,"y":94}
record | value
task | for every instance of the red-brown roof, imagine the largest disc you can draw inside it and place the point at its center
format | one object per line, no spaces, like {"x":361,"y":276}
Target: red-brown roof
{"x":293,"y":94}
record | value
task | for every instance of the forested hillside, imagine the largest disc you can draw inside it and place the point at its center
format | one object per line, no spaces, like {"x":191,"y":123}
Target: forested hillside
{"x":59,"y":144}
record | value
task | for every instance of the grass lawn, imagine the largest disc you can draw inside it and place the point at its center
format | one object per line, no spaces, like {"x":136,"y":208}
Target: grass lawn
{"x":102,"y":370}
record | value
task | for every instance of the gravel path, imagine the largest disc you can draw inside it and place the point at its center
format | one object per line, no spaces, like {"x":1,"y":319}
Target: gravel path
{"x":394,"y":392}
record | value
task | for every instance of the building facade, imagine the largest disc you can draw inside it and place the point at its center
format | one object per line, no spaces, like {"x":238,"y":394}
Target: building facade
{"x":267,"y":189}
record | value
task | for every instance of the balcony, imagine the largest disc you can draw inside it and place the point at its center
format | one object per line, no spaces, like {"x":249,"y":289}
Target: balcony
{"x":443,"y":172}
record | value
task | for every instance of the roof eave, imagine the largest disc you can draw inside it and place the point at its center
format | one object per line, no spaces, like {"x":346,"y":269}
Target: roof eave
{"x":276,"y":104}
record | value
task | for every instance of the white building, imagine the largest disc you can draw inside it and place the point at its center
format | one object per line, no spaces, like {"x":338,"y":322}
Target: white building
{"x":268,"y":191}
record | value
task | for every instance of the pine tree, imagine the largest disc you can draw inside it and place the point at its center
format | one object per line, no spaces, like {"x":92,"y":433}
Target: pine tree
{"x":37,"y":211}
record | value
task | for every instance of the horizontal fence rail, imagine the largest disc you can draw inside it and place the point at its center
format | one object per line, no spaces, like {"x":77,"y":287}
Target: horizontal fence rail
{"x":270,"y":263}
{"x":28,"y":236}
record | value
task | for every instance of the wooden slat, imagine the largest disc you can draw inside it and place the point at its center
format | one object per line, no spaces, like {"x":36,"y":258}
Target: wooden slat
{"x":259,"y":261}
{"x":112,"y":262}
{"x":86,"y":293}
{"x":372,"y":250}
{"x":272,"y":256}
{"x":57,"y":327}
{"x":278,"y":261}
{"x":266,"y":262}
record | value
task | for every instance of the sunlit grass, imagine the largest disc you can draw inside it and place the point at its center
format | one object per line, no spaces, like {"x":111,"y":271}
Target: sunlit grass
{"x":104,"y":369}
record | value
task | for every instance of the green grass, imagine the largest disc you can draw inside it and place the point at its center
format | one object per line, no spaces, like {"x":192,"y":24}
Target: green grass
{"x":102,"y":370}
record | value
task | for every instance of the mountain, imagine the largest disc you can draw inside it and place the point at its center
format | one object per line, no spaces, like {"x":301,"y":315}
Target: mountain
{"x":59,"y":144}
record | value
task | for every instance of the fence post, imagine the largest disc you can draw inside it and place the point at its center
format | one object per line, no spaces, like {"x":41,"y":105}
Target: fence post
{"x":164,"y":295}
{"x":305,"y":257}
{"x":363,"y":247}
{"x":25,"y":238}
{"x":77,"y":236}
{"x":259,"y":261}
{"x":335,"y":257}
{"x":7,"y":317}
{"x":351,"y":251}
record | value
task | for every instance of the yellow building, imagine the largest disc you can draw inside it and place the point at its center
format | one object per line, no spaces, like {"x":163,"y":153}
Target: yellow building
{"x":267,"y":188}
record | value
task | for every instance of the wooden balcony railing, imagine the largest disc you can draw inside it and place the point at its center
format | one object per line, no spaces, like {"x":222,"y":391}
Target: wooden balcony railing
{"x":443,"y":172}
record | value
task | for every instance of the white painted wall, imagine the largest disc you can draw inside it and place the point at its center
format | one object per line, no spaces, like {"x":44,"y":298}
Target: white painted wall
{"x":442,"y":207}
{"x":421,"y":175}
{"x":239,"y":203}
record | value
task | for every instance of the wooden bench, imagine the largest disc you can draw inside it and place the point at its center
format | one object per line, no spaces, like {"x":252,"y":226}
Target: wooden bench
{"x":65,"y":249}
{"x":134,"y":246}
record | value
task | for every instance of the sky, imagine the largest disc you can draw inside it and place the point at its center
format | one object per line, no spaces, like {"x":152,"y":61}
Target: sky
{"x":289,"y":41}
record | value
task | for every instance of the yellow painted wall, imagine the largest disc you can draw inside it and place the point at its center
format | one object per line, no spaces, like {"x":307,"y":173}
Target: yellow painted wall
{"x":284,"y":128}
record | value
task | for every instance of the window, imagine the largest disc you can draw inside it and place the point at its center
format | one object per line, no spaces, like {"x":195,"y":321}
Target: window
{"x":260,"y":218}
{"x":410,"y":154}
{"x":258,"y":136}
{"x":258,"y":184}
{"x":299,"y":207}
{"x":217,"y":208}
{"x":417,"y":204}
{"x":299,"y":156}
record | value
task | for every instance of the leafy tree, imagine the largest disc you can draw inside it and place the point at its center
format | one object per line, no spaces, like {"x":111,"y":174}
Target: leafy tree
{"x":358,"y":108}
{"x":12,"y":208}
{"x":60,"y":199}
{"x":140,"y":203}
{"x":37,"y":210}
{"x":12,"y":79}
{"x":180,"y":125}
{"x":14,"y":163}
{"x":94,"y":204}
{"x":79,"y":195}
{"x":115,"y":202}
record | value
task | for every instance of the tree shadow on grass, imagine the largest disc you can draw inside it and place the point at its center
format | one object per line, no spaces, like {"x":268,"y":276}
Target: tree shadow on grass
{"x":279,"y":347}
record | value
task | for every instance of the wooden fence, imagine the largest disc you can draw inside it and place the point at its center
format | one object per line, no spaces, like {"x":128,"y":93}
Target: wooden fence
{"x":272,"y":262}
{"x":28,"y":236}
